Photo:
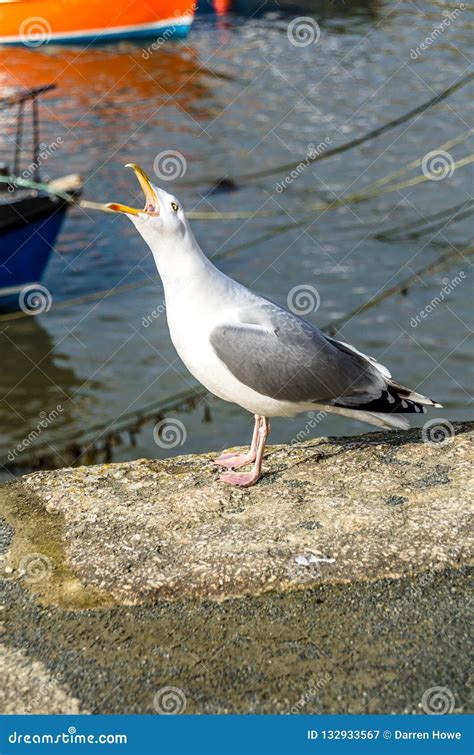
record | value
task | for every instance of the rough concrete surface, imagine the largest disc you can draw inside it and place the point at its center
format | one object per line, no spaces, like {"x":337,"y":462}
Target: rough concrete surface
{"x":28,"y":687}
{"x":340,"y":580}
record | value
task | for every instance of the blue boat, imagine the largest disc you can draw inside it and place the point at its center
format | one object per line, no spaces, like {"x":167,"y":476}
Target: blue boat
{"x":30,"y":220}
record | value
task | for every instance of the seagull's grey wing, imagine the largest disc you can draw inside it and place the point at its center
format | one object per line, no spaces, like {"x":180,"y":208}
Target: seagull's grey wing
{"x":280,"y":355}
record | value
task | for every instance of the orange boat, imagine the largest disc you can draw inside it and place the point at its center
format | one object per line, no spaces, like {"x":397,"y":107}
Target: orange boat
{"x":36,"y":22}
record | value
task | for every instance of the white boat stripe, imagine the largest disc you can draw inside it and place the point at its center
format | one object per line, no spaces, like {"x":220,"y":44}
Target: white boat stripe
{"x":153,"y":26}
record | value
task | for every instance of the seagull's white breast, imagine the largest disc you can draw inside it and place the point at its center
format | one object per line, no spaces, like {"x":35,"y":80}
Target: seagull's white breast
{"x":191,"y":321}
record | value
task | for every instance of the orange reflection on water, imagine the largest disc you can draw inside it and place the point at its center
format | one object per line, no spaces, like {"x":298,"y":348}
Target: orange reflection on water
{"x":107,"y":77}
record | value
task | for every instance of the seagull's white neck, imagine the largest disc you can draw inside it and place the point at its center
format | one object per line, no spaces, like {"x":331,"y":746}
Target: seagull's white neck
{"x":182,"y":264}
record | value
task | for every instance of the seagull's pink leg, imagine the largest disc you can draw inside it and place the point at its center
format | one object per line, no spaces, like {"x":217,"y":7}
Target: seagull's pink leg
{"x":246,"y":479}
{"x":240,"y":460}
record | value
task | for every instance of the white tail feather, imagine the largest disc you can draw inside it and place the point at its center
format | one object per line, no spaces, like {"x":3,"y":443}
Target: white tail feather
{"x":398,"y":421}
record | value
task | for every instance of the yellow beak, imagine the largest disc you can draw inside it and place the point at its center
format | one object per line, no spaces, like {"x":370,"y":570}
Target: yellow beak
{"x":152,"y":206}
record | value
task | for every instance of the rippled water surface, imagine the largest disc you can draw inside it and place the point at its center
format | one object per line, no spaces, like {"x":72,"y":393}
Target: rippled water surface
{"x":235,"y":97}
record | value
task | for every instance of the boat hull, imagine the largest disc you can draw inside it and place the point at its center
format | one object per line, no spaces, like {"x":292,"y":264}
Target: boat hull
{"x":24,"y":254}
{"x":28,"y":230}
{"x":36,"y":22}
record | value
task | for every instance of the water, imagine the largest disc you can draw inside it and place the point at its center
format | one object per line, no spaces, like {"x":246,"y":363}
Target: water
{"x":236,"y":96}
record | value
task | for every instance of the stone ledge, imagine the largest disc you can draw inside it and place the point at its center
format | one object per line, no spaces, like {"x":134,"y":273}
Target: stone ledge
{"x":333,"y":510}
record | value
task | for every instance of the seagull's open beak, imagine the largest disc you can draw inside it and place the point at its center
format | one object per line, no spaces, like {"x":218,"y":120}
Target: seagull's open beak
{"x":152,"y":205}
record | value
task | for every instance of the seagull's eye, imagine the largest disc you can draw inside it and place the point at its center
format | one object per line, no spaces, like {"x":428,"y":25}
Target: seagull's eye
{"x":174,"y":207}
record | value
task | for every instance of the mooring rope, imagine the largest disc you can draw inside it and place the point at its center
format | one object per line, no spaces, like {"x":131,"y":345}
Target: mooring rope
{"x":373,"y":190}
{"x":288,"y":167}
{"x":422,"y":226}
{"x":441,"y":262}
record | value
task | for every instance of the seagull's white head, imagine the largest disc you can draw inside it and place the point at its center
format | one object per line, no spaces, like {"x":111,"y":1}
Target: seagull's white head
{"x":162,"y":222}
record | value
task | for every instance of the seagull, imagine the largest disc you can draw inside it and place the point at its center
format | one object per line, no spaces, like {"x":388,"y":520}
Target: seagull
{"x":248,"y":350}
